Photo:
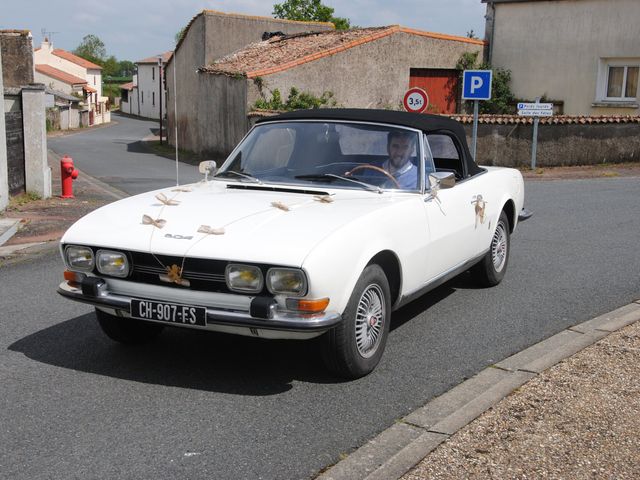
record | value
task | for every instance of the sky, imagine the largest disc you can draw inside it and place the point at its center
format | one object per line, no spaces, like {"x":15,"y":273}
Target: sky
{"x":136,"y":29}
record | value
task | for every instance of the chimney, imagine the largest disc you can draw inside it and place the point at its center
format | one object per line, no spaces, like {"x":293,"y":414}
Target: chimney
{"x":46,"y":45}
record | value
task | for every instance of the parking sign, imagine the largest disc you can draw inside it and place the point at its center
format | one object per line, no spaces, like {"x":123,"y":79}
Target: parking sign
{"x":476,"y":84}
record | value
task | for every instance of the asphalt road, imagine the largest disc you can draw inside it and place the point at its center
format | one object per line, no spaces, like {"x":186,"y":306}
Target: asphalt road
{"x":193,"y":405}
{"x":115,"y":155}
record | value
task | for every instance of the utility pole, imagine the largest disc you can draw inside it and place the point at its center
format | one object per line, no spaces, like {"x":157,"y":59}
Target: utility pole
{"x":160,"y":93}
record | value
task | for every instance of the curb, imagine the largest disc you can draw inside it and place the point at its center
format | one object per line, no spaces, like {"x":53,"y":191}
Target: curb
{"x":400,"y":447}
{"x":8,"y":228}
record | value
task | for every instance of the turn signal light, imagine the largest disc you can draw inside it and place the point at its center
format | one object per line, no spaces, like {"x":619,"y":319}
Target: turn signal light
{"x":73,"y":278}
{"x":308,"y":306}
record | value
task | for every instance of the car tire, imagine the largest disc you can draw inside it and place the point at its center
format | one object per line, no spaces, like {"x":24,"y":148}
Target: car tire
{"x":491,"y":269}
{"x":127,"y":330}
{"x":353,"y":348}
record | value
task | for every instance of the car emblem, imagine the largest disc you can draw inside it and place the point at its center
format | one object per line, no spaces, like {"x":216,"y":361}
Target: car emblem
{"x":178,"y":237}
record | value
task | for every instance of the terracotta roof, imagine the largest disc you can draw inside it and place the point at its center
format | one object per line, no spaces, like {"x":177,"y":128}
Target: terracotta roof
{"x":154,"y":59}
{"x":58,"y":52}
{"x":89,"y":89}
{"x":65,"y":77}
{"x":239,"y":15}
{"x":281,"y":53}
{"x":127,"y":86}
{"x":555,"y":120}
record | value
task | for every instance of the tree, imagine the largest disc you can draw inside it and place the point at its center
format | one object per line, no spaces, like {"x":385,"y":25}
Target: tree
{"x":91,"y":48}
{"x":110,"y":67}
{"x":309,"y":10}
{"x":126,"y":68}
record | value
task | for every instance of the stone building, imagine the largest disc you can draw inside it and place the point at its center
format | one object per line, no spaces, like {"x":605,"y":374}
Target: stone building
{"x":211,"y":35}
{"x":582,"y":54}
{"x":362,"y":68}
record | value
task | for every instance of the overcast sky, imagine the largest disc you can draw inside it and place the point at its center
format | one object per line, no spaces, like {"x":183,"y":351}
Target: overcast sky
{"x":135,"y":29}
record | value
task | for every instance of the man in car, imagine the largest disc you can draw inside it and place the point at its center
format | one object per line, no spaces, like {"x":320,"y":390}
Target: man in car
{"x":401,"y":145}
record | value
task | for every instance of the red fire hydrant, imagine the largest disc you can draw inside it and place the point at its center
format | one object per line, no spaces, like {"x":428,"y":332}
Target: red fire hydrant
{"x":67,"y":174}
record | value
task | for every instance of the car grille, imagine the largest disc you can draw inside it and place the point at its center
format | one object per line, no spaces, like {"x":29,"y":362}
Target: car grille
{"x":203,"y":274}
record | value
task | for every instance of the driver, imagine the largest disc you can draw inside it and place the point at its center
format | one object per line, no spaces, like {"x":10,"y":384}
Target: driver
{"x":400,"y":145}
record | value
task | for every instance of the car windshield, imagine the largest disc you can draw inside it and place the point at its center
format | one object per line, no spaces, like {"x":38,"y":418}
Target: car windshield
{"x":344,"y":155}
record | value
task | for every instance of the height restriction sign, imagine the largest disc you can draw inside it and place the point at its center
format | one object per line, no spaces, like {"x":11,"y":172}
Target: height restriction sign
{"x":416,"y":100}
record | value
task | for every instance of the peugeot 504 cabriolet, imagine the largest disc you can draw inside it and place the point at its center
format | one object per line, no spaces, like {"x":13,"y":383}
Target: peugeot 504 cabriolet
{"x":320,"y":223}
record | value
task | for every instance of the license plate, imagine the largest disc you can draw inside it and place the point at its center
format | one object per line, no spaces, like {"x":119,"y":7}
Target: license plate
{"x":169,"y":312}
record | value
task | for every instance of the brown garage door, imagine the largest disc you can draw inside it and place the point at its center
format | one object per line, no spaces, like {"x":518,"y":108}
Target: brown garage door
{"x":440,"y":84}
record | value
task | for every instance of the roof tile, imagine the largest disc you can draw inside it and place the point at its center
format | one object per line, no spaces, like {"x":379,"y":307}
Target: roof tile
{"x":58,"y":52}
{"x":64,"y":77}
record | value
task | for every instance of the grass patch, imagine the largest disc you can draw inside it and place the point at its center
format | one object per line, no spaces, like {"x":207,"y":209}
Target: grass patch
{"x":610,"y":174}
{"x":23,"y":199}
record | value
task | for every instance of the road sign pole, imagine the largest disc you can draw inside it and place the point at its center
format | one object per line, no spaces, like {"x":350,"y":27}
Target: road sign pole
{"x":474,"y":141}
{"x":534,"y":143}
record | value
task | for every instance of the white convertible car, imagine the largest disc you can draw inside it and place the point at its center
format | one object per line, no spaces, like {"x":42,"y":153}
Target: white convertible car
{"x":320,"y":223}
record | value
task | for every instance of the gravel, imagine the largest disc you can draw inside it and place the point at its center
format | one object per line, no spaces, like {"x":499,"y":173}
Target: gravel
{"x":579,"y":419}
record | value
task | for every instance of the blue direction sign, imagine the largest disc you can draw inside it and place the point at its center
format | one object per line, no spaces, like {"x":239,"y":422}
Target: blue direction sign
{"x":476,"y":84}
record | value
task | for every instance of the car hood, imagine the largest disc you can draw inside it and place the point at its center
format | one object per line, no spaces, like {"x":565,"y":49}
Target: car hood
{"x":260,"y":224}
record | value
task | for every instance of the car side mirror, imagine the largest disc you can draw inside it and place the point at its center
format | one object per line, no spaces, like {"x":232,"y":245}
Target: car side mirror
{"x":442,"y":179}
{"x":208,"y":167}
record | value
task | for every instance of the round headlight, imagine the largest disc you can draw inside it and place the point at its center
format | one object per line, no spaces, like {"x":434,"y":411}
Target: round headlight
{"x":244,"y":278}
{"x":287,"y":281}
{"x":79,"y":258}
{"x":112,"y":263}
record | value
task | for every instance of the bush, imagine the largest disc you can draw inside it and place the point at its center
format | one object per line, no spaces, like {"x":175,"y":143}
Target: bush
{"x":502,"y":99}
{"x":295,"y":101}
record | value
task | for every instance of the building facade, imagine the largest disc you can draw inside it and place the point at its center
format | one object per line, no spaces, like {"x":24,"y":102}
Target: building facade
{"x":141,"y":97}
{"x":583,"y":54}
{"x":361,"y":68}
{"x":64,"y":71}
{"x":210,"y":35}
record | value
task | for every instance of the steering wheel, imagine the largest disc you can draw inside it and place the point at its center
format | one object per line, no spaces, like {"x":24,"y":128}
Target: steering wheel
{"x":377,"y":169}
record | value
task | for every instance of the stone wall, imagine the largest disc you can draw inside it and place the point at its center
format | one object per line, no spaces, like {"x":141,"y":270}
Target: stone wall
{"x":558,"y":144}
{"x":17,"y":57}
{"x":14,"y":141}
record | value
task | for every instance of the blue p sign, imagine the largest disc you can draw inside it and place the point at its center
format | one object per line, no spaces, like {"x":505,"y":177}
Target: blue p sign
{"x":476,"y":84}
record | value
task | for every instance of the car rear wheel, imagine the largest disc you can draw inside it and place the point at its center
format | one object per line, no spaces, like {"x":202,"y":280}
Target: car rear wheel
{"x":127,"y":330}
{"x":491,"y":269}
{"x":354,"y":348}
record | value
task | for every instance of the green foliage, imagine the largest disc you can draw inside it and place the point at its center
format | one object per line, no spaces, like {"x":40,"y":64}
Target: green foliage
{"x":502,"y":99}
{"x":91,"y":48}
{"x":310,"y":11}
{"x":126,"y":69}
{"x":295,"y":101}
{"x":180,"y":34}
{"x":111,"y":90}
{"x":110,"y":67}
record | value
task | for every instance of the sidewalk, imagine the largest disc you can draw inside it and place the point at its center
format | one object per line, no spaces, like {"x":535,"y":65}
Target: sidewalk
{"x":42,"y":222}
{"x":555,"y":410}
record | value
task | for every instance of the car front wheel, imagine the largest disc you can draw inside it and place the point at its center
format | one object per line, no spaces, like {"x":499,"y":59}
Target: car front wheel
{"x":355,"y":346}
{"x":491,"y":269}
{"x":127,"y":330}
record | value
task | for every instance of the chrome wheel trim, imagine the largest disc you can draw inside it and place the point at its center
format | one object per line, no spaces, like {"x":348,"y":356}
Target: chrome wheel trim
{"x":370,"y":320}
{"x":499,"y":245}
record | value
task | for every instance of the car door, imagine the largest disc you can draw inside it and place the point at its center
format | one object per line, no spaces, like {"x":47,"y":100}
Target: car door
{"x":457,"y":216}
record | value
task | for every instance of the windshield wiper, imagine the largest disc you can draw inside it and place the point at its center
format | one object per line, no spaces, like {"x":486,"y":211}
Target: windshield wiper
{"x":240,"y":174}
{"x":332,"y":176}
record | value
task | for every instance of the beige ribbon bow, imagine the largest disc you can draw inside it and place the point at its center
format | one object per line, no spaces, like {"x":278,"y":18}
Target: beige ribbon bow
{"x":162,"y":198}
{"x":210,"y":231}
{"x":147,"y":220}
{"x":174,"y":275}
{"x":323,"y":198}
{"x":280,"y":205}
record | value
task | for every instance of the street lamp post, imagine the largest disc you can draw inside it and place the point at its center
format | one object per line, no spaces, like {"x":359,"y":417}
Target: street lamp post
{"x":160,"y":93}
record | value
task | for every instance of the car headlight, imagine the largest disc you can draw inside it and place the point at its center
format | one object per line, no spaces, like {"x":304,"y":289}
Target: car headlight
{"x":244,"y":278}
{"x":287,"y":281}
{"x":112,"y":263}
{"x":79,"y":258}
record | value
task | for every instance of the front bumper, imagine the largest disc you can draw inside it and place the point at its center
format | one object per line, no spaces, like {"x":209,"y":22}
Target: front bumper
{"x":230,"y":316}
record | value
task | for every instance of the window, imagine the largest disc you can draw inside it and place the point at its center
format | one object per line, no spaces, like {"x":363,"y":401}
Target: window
{"x":153,"y":73}
{"x":622,"y":82}
{"x":94,"y":79}
{"x":142,"y":97}
{"x":618,"y":80}
{"x":446,"y":155}
{"x":153,"y":98}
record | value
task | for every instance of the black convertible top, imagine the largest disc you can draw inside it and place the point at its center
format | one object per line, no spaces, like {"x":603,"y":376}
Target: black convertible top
{"x":425,"y":122}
